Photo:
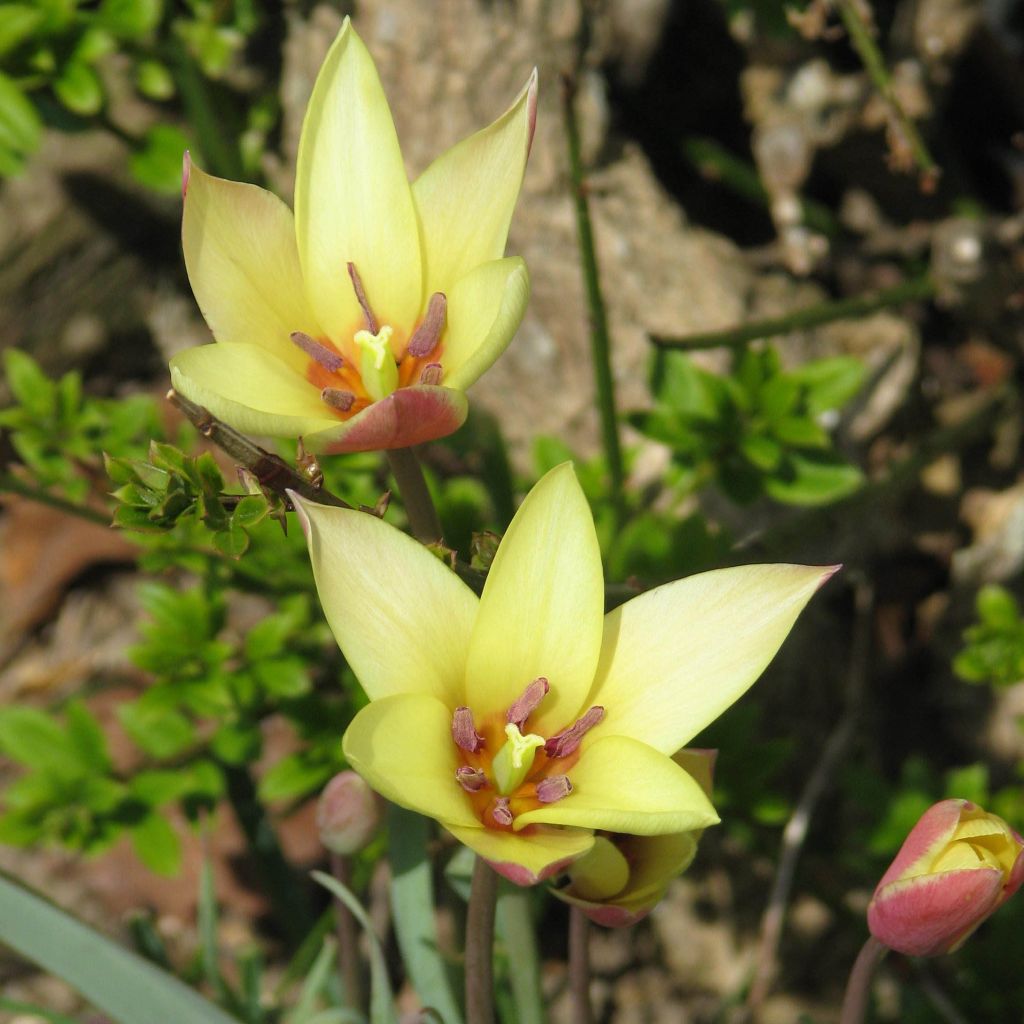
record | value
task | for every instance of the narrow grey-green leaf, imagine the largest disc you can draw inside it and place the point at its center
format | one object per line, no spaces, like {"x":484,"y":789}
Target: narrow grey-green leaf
{"x":516,"y":932}
{"x":382,"y":1001}
{"x":412,"y":907}
{"x":120,"y":984}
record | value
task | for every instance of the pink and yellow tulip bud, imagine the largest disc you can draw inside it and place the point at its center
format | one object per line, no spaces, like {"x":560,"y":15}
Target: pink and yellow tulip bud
{"x":348,"y":814}
{"x":958,"y":865}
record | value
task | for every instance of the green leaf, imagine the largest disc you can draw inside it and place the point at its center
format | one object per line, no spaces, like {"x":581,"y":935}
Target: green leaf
{"x":17,"y":23}
{"x":156,"y":788}
{"x":283,"y":677}
{"x":78,"y":88}
{"x":160,"y":732}
{"x":237,"y":743}
{"x":800,"y":432}
{"x":118,"y":983}
{"x":154,"y":80}
{"x":20,"y":125}
{"x":27,"y":1008}
{"x":29,"y":385}
{"x":997,"y":607}
{"x":813,"y":479}
{"x":412,"y":906}
{"x":31,"y":737}
{"x":382,"y":1004}
{"x":157,"y":165}
{"x":830,"y":383}
{"x":157,"y":844}
{"x":761,"y":451}
{"x":517,"y":932}
{"x":86,"y":737}
{"x":293,"y":776}
{"x":130,"y":18}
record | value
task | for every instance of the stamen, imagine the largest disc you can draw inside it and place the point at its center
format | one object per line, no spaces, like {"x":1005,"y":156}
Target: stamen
{"x":337,"y":398}
{"x":464,"y":731}
{"x":364,"y":305}
{"x":316,"y":351}
{"x":500,"y":812}
{"x":553,"y":788}
{"x":528,"y":703}
{"x":472,"y":780}
{"x":567,"y":741}
{"x":428,"y":334}
{"x":431,"y":374}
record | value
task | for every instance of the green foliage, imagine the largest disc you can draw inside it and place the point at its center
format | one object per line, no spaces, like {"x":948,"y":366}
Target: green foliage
{"x":756,"y":431}
{"x":993,"y":650}
{"x":55,"y":428}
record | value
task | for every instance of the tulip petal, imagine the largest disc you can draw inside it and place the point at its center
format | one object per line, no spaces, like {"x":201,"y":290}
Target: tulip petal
{"x":540,"y":613}
{"x":485,"y":309}
{"x":353,"y":202}
{"x":406,"y":417}
{"x":401,"y":616}
{"x":927,"y":839}
{"x":402,"y":745}
{"x":250,"y":389}
{"x":465,"y":198}
{"x":242,"y":263}
{"x":932,"y":914}
{"x":673,"y":659}
{"x":622,"y":785}
{"x":525,"y":857}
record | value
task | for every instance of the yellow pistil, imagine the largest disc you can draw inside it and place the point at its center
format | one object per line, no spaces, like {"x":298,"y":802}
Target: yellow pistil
{"x":513,"y":762}
{"x":377,"y":365}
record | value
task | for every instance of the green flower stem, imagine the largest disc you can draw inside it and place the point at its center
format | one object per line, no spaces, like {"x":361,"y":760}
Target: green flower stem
{"x":419,"y":506}
{"x":802,"y":319}
{"x":600,"y":341}
{"x":11,"y":484}
{"x":348,"y":936}
{"x":858,"y":987}
{"x":874,"y":63}
{"x":518,"y":935}
{"x":579,"y":966}
{"x":290,"y":907}
{"x":480,"y":944}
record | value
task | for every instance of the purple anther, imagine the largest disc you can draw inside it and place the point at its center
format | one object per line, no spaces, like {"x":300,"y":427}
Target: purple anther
{"x":472,"y":780}
{"x":528,"y":702}
{"x":500,"y":812}
{"x":431,"y":374}
{"x":337,"y":398}
{"x":566,"y":742}
{"x":428,"y":334}
{"x":464,"y":731}
{"x":357,"y":284}
{"x":317,"y":352}
{"x":553,"y":788}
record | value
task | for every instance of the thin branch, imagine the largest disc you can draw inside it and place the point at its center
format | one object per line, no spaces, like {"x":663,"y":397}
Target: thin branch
{"x":9,"y":482}
{"x":419,"y":506}
{"x":579,"y":967}
{"x":483,"y":895}
{"x":795,"y":833}
{"x":802,"y":319}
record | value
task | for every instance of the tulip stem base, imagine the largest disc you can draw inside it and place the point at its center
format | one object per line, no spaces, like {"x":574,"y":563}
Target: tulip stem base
{"x":412,"y":486}
{"x":858,"y":987}
{"x":579,"y":966}
{"x":348,"y":937}
{"x":480,"y":944}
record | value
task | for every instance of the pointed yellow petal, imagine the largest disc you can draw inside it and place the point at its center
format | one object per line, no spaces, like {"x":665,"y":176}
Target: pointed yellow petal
{"x":250,"y":389}
{"x":485,"y":309}
{"x":242,"y":263}
{"x":525,"y":857}
{"x":353,"y":202}
{"x":403,"y":747}
{"x":401,"y":617}
{"x":465,"y":198}
{"x":540,"y":613}
{"x":675,"y":658}
{"x":622,"y":785}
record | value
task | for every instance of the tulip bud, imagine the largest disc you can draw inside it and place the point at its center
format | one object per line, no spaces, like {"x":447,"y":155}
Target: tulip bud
{"x":347,"y":814}
{"x":957,"y":866}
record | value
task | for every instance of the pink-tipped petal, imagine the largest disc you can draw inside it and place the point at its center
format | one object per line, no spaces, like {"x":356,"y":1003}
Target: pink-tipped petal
{"x":932,"y":914}
{"x":404,"y":418}
{"x":926,"y":840}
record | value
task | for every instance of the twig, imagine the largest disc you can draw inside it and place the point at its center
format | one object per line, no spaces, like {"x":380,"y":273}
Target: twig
{"x":579,"y":967}
{"x":802,"y":319}
{"x":480,"y":944}
{"x":412,"y":486}
{"x":874,"y":63}
{"x":9,"y":482}
{"x":858,"y":987}
{"x":941,"y":1002}
{"x":600,"y":341}
{"x":795,"y":832}
{"x":270,"y":470}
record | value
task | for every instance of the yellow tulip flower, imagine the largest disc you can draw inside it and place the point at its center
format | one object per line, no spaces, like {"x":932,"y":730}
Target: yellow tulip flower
{"x":358,"y":322}
{"x":527,"y":719}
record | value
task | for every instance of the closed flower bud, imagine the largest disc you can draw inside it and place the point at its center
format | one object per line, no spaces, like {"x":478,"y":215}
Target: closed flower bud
{"x":957,"y":866}
{"x":347,"y":814}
